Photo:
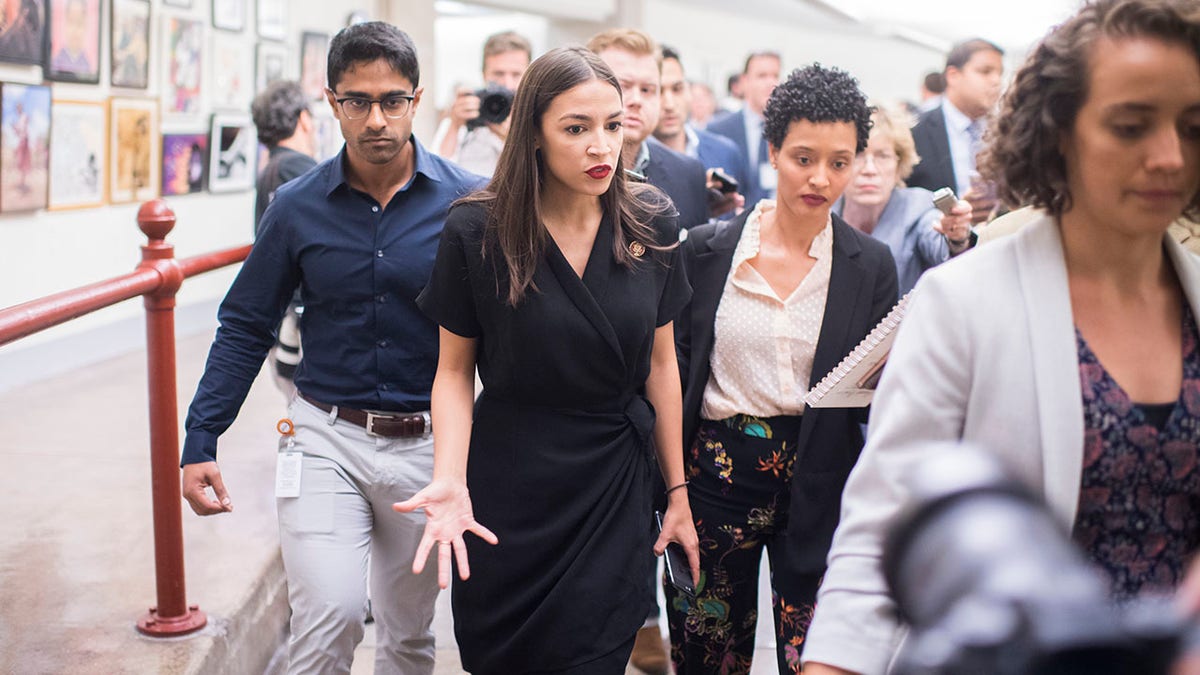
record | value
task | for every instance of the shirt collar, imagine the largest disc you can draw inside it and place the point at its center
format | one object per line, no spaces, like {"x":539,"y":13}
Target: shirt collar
{"x":643,"y":158}
{"x":692,"y":147}
{"x":425,"y":165}
{"x":955,"y":118}
{"x":822,"y":244}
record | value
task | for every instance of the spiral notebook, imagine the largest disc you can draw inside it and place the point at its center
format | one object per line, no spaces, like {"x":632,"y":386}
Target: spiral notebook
{"x":851,"y":384}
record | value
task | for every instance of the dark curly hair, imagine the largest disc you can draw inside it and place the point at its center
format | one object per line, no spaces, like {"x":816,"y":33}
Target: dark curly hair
{"x":816,"y":94}
{"x":1023,"y":156}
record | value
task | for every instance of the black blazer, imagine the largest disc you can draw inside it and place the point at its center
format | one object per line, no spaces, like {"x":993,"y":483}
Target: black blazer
{"x":862,"y":289}
{"x":682,"y":178}
{"x":936,"y":168}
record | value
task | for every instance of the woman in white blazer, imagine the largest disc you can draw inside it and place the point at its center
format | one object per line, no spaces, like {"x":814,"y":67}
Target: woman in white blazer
{"x":1068,"y":349}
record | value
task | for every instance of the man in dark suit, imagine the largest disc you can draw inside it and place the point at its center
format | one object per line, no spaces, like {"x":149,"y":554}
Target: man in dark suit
{"x":949,"y":137}
{"x":673,"y":130}
{"x":635,"y":59}
{"x":759,"y":78}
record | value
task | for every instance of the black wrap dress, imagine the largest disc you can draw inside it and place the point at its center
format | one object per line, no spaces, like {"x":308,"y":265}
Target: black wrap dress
{"x":560,"y":451}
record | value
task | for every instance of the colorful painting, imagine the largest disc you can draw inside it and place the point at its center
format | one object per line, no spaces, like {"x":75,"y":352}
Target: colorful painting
{"x":270,"y":64}
{"x":313,"y":52}
{"x":133,"y":150}
{"x":78,"y":164}
{"x":24,"y":146}
{"x":232,"y":71}
{"x":272,"y":19}
{"x":231,"y":153}
{"x":182,"y":72}
{"x":22,"y":30}
{"x":130,"y":43}
{"x":73,"y":47}
{"x":184,"y":157}
{"x":229,"y":14}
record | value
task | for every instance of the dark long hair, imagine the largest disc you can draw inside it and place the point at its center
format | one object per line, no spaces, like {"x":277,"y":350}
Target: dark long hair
{"x":513,"y":198}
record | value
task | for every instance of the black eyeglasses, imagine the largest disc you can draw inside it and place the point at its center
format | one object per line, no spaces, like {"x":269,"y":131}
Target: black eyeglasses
{"x":357,"y":107}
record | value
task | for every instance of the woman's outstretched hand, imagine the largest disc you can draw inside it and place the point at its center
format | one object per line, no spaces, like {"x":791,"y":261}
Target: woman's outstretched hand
{"x":447,"y":506}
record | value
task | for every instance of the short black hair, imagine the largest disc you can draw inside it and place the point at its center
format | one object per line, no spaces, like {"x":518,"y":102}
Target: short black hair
{"x":276,"y":110}
{"x":670,"y":53}
{"x":963,"y":51}
{"x":371,"y":41}
{"x":935,"y":83}
{"x":816,"y":94}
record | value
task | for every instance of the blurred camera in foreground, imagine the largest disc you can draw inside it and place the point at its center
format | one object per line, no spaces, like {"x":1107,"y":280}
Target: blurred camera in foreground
{"x":989,"y":583}
{"x":495,"y":104}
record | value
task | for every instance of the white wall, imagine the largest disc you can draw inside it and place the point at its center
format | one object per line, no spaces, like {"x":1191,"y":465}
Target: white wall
{"x":45,"y":252}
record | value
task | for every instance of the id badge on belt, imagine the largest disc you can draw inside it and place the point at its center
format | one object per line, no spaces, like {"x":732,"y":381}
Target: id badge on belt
{"x":290,"y":464}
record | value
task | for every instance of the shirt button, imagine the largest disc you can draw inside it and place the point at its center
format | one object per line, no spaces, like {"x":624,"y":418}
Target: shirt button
{"x":381,"y":298}
{"x":382,"y":343}
{"x":375,"y":209}
{"x":385,"y":386}
{"x":379,"y":253}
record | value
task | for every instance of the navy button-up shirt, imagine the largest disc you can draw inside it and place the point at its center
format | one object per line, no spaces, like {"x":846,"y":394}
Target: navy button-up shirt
{"x":359,"y":267}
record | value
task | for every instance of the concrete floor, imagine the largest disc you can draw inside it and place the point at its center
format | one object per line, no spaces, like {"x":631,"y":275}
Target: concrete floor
{"x":76,"y":540}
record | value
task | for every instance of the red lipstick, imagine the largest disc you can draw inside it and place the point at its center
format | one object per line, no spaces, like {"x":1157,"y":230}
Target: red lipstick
{"x":599,"y":172}
{"x":813,"y":200}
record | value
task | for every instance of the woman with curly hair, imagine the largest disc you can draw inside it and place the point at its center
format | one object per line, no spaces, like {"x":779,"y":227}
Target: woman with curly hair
{"x":1069,"y":349}
{"x":780,"y":295}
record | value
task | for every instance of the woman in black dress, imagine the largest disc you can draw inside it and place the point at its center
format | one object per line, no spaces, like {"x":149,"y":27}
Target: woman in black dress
{"x":559,"y":282}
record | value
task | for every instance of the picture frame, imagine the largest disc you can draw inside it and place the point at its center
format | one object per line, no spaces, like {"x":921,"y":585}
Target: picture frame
{"x":134,"y":149}
{"x":183,"y":60}
{"x":78,"y":154}
{"x":270,"y":64}
{"x":327,"y":135}
{"x":73,"y":42}
{"x":23,"y":38}
{"x":232,"y":72}
{"x":314,"y":48}
{"x":229,"y":15}
{"x":272,"y":19}
{"x":129,"y":44}
{"x":24,"y":146}
{"x":185,"y":163}
{"x":232,"y":153}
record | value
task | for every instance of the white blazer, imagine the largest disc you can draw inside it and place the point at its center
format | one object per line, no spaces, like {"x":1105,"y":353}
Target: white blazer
{"x":986,"y":354}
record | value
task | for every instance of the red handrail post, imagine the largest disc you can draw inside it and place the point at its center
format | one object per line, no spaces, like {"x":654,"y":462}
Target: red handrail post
{"x":172,"y":616}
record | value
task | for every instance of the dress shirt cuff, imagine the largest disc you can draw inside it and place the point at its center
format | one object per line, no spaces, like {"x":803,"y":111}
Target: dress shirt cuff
{"x":199,"y":446}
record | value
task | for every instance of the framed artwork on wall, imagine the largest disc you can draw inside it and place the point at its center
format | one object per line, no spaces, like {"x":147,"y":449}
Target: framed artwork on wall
{"x":272,"y":19}
{"x":184,"y":159}
{"x":133,"y":149}
{"x":229,"y":14}
{"x":313,"y":50}
{"x":232,"y":146}
{"x":22,"y":39}
{"x":73,"y":44}
{"x":182,"y":43}
{"x":130,"y":43}
{"x":78,"y":161}
{"x":270,"y":64}
{"x":24,"y":146}
{"x":232,"y":71}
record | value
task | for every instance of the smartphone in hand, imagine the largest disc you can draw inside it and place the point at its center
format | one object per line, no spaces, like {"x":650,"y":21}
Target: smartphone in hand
{"x":678,"y":571}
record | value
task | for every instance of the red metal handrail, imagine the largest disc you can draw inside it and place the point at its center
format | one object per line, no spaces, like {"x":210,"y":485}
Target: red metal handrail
{"x":157,"y":278}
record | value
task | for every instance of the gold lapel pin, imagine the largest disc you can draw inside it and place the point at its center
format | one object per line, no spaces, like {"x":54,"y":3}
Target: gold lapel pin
{"x":637,"y":249}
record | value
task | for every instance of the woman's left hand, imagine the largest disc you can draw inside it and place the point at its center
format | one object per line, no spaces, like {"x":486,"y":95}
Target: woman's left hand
{"x":678,"y":527}
{"x":956,"y":227}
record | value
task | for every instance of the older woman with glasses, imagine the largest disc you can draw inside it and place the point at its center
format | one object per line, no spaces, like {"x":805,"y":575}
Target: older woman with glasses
{"x":877,"y":203}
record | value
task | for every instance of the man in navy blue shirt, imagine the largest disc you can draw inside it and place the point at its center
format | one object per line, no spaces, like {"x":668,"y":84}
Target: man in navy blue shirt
{"x":357,"y":235}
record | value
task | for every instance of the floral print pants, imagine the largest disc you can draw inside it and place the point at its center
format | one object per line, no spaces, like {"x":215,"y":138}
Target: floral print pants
{"x":740,"y":472}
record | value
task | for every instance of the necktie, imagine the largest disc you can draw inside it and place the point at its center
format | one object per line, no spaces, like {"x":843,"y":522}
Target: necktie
{"x":975,"y":133}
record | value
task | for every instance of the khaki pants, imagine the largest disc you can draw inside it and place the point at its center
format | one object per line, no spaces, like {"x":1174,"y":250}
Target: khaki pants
{"x":349,"y":481}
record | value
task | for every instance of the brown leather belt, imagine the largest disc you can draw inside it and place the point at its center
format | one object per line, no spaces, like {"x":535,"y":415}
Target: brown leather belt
{"x":388,"y":425}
